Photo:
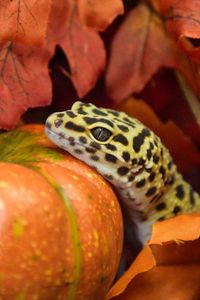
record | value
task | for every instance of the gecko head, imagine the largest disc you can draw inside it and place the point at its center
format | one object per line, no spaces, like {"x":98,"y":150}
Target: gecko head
{"x":117,"y":146}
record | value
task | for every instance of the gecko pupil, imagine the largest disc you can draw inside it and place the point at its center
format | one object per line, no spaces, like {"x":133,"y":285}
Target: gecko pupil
{"x":101,"y":134}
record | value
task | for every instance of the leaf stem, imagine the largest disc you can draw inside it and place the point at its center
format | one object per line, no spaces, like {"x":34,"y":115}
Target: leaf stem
{"x":190,"y":97}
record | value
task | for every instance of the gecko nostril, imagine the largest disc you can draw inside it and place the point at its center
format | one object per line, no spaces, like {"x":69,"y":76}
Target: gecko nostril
{"x":58,"y":123}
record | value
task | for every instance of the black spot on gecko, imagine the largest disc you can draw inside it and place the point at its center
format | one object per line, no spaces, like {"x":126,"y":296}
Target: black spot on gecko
{"x":70,"y":114}
{"x":161,"y":206}
{"x":170,"y":165}
{"x":78,"y":151}
{"x":139,"y":139}
{"x":111,"y":158}
{"x":151,"y":191}
{"x":156,"y":159}
{"x":123,"y":128}
{"x":60,"y":115}
{"x":161,"y":219}
{"x":141,"y":162}
{"x":95,"y":145}
{"x":140,"y":183}
{"x":152,"y":176}
{"x":111,"y":147}
{"x":134,"y":161}
{"x":90,"y":120}
{"x":161,"y":152}
{"x":171,"y":180}
{"x":99,"y":112}
{"x":94,"y":157}
{"x":83,"y":139}
{"x":126,"y":156}
{"x":162,"y":172}
{"x":176,"y":210}
{"x":131,"y":178}
{"x":180,"y":192}
{"x":151,"y":145}
{"x":148,"y":170}
{"x":114,"y":113}
{"x":128,"y":121}
{"x":71,"y":141}
{"x":90,"y":150}
{"x":122,"y":171}
{"x":80,"y":111}
{"x":121,"y":139}
{"x":73,"y":126}
{"x":155,"y":143}
{"x":149,"y":154}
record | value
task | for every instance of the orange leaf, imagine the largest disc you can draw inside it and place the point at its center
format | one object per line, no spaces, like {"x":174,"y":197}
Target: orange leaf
{"x":164,"y":232}
{"x":172,"y":136}
{"x":139,"y":48}
{"x":24,"y":81}
{"x":175,"y":273}
{"x":82,"y":45}
{"x":145,"y":261}
{"x":24,"y":21}
{"x":99,"y":14}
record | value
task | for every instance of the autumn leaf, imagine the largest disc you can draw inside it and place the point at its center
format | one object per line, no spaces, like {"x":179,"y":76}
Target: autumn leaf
{"x":182,"y":19}
{"x":82,"y":46}
{"x":24,"y":74}
{"x":170,"y":134}
{"x":168,"y":267}
{"x":24,"y":81}
{"x":139,"y":48}
{"x":99,"y":14}
{"x":24,"y":21}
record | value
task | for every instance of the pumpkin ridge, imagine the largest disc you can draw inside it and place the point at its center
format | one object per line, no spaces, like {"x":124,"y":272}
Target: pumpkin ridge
{"x":74,"y":234}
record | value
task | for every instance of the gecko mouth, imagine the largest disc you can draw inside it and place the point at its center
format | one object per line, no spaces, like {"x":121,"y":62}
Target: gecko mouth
{"x":57,"y":138}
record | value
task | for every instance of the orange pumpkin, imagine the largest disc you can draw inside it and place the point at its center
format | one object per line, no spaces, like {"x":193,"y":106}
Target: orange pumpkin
{"x":60,"y":222}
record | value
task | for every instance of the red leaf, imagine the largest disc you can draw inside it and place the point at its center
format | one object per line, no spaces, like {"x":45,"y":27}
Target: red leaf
{"x":82,"y":46}
{"x":139,"y":48}
{"x":182,"y":16}
{"x":24,"y":21}
{"x":99,"y":14}
{"x":24,"y":81}
{"x":183,"y":20}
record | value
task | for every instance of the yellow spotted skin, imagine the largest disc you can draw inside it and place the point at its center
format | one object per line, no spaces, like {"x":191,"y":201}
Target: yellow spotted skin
{"x":131,"y":157}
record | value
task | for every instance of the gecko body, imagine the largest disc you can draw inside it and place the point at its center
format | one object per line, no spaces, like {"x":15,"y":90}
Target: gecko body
{"x":131,"y":157}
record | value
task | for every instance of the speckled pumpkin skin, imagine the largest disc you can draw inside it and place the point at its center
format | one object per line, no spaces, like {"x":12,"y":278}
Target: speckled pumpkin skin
{"x":54,"y":248}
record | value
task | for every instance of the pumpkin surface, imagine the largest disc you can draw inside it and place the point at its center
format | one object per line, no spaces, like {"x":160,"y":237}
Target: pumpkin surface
{"x":60,"y":223}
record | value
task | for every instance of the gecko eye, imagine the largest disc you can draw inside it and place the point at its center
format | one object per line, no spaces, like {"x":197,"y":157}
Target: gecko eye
{"x":101,"y":134}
